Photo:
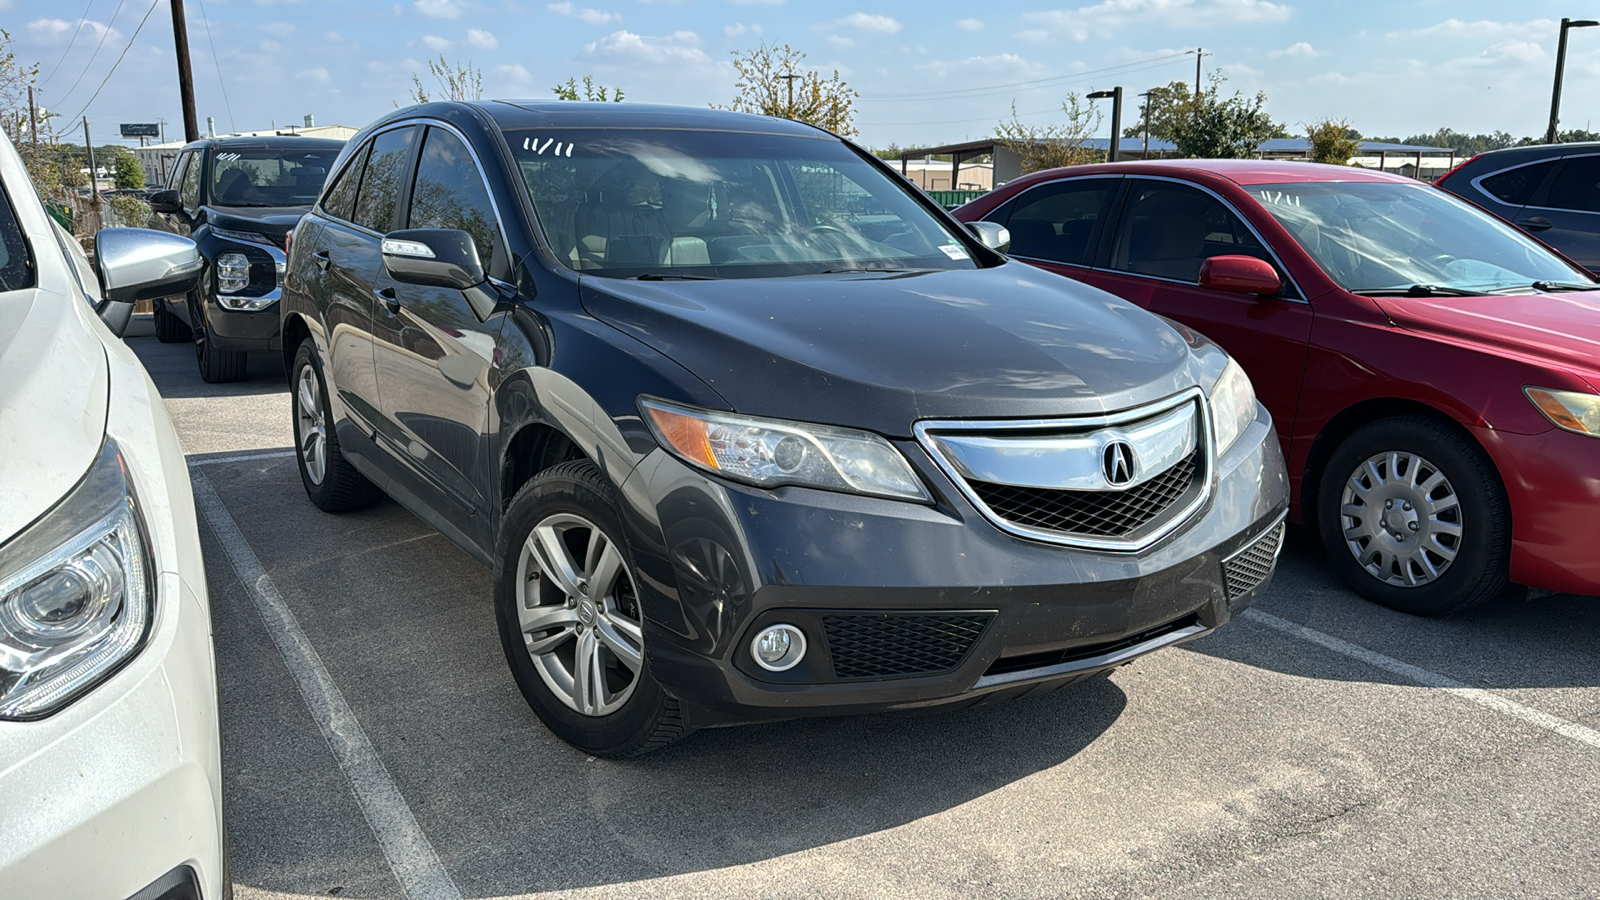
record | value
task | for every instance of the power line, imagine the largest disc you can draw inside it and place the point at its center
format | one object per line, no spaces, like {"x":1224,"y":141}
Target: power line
{"x":225,"y":104}
{"x":910,"y":97}
{"x":125,"y":49}
{"x":103,"y":35}
{"x":82,"y":20}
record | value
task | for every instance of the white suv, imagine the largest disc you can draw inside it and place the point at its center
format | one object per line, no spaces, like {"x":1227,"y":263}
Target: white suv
{"x":110,"y":768}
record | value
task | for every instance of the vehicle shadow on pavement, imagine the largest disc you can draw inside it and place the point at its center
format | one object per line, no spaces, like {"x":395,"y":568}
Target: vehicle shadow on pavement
{"x":1514,"y":642}
{"x":173,"y":369}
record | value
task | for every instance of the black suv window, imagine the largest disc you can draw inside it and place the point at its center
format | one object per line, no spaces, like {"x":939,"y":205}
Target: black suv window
{"x":385,"y":175}
{"x":16,"y":269}
{"x":1055,"y":222}
{"x":340,"y":200}
{"x":1577,"y":185}
{"x":450,"y":193}
{"x":1516,"y":186}
{"x":189,"y":187}
{"x":1169,"y":229}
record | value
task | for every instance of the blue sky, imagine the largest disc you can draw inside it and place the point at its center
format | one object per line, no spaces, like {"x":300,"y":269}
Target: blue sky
{"x":932,"y":72}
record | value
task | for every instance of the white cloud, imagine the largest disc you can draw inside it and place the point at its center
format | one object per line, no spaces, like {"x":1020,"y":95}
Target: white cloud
{"x":269,"y":46}
{"x":970,"y":25}
{"x":756,"y":2}
{"x":584,"y":14}
{"x":1480,"y":29}
{"x":678,"y":47}
{"x":59,"y":31}
{"x":318,"y":75}
{"x":438,"y":9}
{"x":871,"y":22}
{"x":481,"y":39}
{"x":1298,"y":50}
{"x":739,"y":28}
{"x":840,"y":41}
{"x":1099,"y":20}
{"x":434,"y":42}
{"x":278,"y":29}
{"x":515,"y":72}
{"x":333,"y":37}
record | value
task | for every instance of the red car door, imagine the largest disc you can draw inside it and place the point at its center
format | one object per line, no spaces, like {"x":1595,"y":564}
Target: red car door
{"x":1165,"y":230}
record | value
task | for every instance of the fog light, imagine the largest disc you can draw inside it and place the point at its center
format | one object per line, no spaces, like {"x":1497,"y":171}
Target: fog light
{"x":778,"y":648}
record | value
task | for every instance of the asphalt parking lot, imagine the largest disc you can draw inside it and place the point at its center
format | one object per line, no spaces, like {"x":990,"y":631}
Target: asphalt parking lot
{"x":374,"y":745}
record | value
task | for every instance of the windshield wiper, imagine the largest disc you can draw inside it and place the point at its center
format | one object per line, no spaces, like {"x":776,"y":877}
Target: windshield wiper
{"x":1419,"y":290}
{"x":1564,"y":286}
{"x":671,"y":276}
{"x":848,"y":270}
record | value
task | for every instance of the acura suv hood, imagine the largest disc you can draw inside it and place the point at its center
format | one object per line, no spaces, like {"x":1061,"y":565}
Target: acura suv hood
{"x":1005,"y":342}
{"x":54,"y":389}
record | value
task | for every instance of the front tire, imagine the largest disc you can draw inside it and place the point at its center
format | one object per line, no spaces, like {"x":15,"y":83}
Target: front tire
{"x":1413,"y":516}
{"x":169,"y":328}
{"x":570,"y":621}
{"x":331,"y":482}
{"x":217,"y":366}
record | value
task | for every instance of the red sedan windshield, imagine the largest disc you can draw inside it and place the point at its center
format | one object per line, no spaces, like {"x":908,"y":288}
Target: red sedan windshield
{"x":1381,"y":237}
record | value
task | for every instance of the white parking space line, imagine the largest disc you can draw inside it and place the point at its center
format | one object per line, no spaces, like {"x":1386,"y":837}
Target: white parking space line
{"x":240,"y":457}
{"x":411,"y":856}
{"x":1580,"y":733}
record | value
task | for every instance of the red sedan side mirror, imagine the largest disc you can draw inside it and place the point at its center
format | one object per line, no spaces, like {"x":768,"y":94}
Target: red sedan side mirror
{"x":1240,"y":275}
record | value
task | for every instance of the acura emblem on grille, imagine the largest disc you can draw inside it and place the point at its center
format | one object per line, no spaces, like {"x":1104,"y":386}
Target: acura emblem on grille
{"x":1117,"y":463}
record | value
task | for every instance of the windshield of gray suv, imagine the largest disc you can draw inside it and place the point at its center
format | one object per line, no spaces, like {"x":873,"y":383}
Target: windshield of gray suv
{"x":659,"y":203}
{"x":269,"y":177}
{"x":1375,"y":238}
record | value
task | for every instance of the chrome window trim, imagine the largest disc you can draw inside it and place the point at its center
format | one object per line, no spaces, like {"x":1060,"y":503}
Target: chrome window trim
{"x":1478,"y":186}
{"x":1559,"y":209}
{"x":1016,"y":200}
{"x":1288,"y":277}
{"x":1179,"y":516}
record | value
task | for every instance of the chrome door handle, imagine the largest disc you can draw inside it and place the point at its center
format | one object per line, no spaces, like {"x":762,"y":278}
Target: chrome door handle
{"x":389,"y":299}
{"x":1535,"y":223}
{"x":322,"y":259}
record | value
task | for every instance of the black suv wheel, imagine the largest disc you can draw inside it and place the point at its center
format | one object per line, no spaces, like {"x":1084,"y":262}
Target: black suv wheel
{"x":169,"y":328}
{"x":217,"y":366}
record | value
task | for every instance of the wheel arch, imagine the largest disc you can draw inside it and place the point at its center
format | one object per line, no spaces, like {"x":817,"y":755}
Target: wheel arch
{"x":295,"y":330}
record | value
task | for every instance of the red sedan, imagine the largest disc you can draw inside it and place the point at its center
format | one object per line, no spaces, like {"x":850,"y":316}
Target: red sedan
{"x":1434,"y":373}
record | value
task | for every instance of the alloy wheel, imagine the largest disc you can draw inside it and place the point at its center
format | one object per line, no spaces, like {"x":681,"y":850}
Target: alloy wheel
{"x":578,"y":611}
{"x":1401,"y":518}
{"x":311,"y":424}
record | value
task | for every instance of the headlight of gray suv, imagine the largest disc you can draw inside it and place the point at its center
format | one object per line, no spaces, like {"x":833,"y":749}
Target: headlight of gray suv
{"x":771,"y":452}
{"x":1233,"y":405}
{"x":76,"y":593}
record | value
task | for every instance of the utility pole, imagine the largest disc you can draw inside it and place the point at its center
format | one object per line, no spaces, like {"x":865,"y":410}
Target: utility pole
{"x":1561,"y":66}
{"x":33,"y":117}
{"x":1199,"y":54}
{"x":791,"y":79}
{"x":180,"y":36}
{"x":1147,"y":101}
{"x":94,"y":181}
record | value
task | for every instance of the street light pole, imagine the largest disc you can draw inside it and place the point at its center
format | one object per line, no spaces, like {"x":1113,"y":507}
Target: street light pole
{"x":1116,"y":118}
{"x":1561,"y":67}
{"x":1146,"y":113}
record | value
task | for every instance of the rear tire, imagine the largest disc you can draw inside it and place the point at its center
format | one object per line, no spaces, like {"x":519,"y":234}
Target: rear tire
{"x":217,"y":366}
{"x":331,"y":482}
{"x":567,"y":604}
{"x":1414,"y":517}
{"x":169,"y":328}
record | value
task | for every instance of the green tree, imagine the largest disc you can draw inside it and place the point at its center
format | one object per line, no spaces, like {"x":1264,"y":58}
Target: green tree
{"x":1166,"y":105}
{"x":773,"y":81}
{"x":1333,"y":141}
{"x":457,"y":81}
{"x":1224,"y":127}
{"x":591,"y":91}
{"x":1052,"y":146}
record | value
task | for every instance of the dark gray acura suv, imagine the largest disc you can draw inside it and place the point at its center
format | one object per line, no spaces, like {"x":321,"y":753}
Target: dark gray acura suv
{"x":748,"y":428}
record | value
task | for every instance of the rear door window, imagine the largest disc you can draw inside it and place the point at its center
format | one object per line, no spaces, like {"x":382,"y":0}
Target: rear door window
{"x":16,"y":266}
{"x":189,"y":187}
{"x":385,"y":175}
{"x":450,"y":193}
{"x":340,"y":200}
{"x":1577,"y":185}
{"x":1169,"y":229}
{"x":1055,"y":222}
{"x":1516,"y":187}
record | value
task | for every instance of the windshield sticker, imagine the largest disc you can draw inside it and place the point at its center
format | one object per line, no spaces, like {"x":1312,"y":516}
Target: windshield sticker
{"x":539,"y":147}
{"x":954,"y":251}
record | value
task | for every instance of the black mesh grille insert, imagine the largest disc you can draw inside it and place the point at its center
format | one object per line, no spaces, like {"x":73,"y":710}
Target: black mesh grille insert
{"x":886,"y":645}
{"x":1251,"y":566}
{"x":1096,"y":513}
{"x":1088,"y":651}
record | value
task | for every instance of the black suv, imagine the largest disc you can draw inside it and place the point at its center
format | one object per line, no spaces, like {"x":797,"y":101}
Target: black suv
{"x":237,"y":198}
{"x":748,"y":428}
{"x":1551,"y":191}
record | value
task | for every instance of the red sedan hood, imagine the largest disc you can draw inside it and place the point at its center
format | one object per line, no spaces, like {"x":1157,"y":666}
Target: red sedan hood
{"x":1562,"y":328}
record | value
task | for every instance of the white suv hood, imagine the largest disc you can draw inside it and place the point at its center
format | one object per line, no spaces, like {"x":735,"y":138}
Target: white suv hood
{"x":53,"y":393}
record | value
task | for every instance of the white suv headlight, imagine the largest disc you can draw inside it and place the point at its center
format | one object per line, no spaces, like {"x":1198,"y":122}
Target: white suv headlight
{"x":772,"y":452}
{"x":76,"y":593}
{"x":1233,"y":405}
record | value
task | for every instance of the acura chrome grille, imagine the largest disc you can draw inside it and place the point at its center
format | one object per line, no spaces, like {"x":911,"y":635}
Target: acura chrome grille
{"x":1114,"y":482}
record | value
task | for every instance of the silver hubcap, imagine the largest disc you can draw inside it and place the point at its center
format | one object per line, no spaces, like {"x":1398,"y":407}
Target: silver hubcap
{"x":311,"y":426}
{"x":579,"y":614}
{"x":1401,"y":519}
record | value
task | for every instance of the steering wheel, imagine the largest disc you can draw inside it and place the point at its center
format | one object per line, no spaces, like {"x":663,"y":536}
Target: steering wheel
{"x":832,"y":234}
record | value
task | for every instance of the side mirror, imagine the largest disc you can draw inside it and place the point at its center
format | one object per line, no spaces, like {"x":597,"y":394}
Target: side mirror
{"x":165,"y":202}
{"x":437,"y":257}
{"x":1240,"y":275}
{"x":995,"y":237}
{"x":140,"y":264}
